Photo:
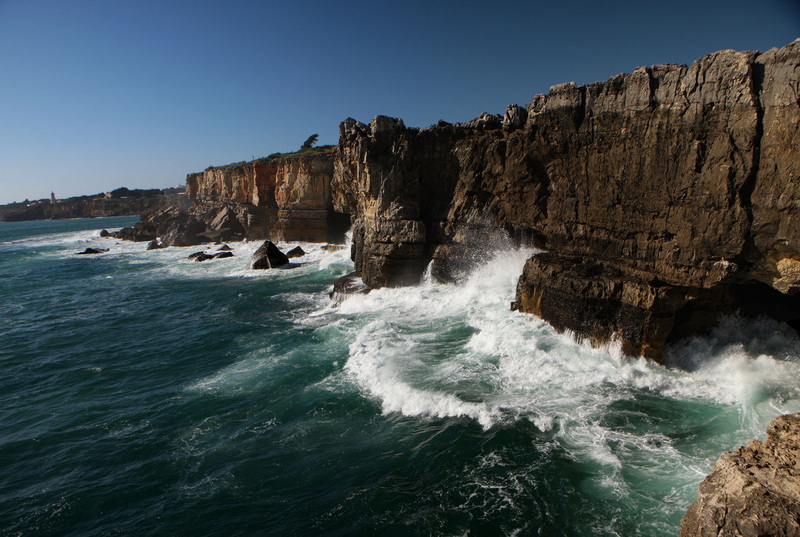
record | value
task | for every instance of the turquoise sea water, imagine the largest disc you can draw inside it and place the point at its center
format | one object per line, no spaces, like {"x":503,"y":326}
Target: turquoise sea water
{"x":145,"y":394}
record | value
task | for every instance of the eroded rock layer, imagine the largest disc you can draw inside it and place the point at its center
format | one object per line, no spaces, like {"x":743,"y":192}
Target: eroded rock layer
{"x":665,"y":197}
{"x":752,"y":491}
{"x":282,"y":198}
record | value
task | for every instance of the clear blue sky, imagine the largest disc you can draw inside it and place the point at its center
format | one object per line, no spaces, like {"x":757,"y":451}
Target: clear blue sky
{"x":98,"y":94}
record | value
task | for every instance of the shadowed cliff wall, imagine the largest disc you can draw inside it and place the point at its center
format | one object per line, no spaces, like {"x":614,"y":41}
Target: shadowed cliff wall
{"x":665,"y":197}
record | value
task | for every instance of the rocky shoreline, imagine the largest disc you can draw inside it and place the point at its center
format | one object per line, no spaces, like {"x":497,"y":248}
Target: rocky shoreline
{"x":119,"y":202}
{"x":664,"y":199}
{"x":754,"y":490}
{"x":284,"y":197}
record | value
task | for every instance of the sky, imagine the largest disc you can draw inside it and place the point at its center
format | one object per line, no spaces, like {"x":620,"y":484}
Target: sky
{"x":100,"y":94}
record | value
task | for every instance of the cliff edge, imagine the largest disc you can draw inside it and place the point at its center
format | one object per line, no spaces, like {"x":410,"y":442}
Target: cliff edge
{"x":283,"y":197}
{"x":664,"y":197}
{"x":752,"y":491}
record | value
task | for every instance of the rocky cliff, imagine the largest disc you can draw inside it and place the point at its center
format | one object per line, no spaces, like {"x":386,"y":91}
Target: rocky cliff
{"x":664,"y":197}
{"x":283,"y":197}
{"x":752,"y":491}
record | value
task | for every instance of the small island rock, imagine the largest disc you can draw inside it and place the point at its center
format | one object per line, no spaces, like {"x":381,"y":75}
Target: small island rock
{"x":268,"y":256}
{"x":93,"y":251}
{"x":295,"y":252}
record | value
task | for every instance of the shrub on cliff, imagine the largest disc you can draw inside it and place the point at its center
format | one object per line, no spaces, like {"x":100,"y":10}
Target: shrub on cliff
{"x":309,"y":143}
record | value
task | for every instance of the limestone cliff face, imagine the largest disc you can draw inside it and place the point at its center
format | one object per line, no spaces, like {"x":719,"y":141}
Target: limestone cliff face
{"x":752,"y":491}
{"x":282,"y":198}
{"x":664,"y":197}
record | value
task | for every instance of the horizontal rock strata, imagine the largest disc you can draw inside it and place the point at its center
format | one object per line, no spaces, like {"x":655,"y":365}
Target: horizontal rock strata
{"x":282,"y":197}
{"x":752,"y":491}
{"x":665,"y":197}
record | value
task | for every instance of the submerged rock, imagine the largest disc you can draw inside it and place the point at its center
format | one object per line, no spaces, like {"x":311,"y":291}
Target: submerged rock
{"x":268,"y":256}
{"x":205,"y":256}
{"x":752,"y":491}
{"x":347,"y":286}
{"x":90,"y":251}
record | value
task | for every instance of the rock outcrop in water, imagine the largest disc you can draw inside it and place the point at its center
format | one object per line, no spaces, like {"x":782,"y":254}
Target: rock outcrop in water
{"x":664,"y":197}
{"x":268,"y":256}
{"x":284,"y":197}
{"x":754,"y":490}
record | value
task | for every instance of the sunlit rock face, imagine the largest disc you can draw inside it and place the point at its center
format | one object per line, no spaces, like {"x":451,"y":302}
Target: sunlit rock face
{"x":754,"y":490}
{"x":282,"y":198}
{"x":665,"y":197}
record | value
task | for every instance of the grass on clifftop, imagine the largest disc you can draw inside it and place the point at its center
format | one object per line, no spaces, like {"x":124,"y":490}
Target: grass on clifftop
{"x":319,"y":151}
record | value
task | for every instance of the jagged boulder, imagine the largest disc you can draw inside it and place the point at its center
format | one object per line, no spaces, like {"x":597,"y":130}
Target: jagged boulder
{"x":184,"y":232}
{"x":175,"y":227}
{"x":155,"y":245}
{"x":295,"y":252}
{"x":226,"y":226}
{"x":224,"y":248}
{"x":268,"y":256}
{"x":223,"y":255}
{"x":752,"y":491}
{"x":139,"y":232}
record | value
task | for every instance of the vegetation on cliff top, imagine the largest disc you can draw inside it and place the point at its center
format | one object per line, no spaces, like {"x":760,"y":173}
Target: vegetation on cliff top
{"x":317,"y":151}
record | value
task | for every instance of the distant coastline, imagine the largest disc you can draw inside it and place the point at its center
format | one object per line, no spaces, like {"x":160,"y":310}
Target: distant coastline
{"x":119,"y":202}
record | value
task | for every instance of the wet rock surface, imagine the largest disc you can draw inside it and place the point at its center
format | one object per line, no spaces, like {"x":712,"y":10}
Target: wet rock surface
{"x":347,"y":286}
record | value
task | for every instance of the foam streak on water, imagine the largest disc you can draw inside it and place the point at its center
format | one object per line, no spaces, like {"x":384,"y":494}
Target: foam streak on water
{"x":455,"y":350}
{"x":148,"y":394}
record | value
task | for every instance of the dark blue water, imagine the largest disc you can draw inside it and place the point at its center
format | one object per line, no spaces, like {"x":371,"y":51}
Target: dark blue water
{"x":145,"y":394}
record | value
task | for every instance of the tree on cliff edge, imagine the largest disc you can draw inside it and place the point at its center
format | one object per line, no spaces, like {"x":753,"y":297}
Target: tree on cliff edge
{"x":309,"y":143}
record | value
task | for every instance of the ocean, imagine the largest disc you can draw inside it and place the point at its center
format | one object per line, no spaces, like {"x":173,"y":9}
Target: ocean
{"x":146,"y":394}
